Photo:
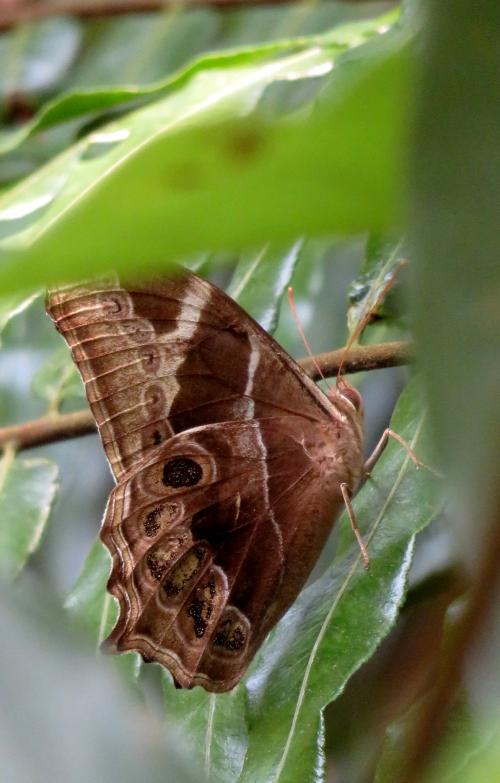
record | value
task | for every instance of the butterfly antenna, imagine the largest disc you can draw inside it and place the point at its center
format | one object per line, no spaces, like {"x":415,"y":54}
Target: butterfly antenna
{"x":367,"y":314}
{"x":302,"y":334}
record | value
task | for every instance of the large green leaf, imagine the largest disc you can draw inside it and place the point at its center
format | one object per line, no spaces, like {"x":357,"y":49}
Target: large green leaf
{"x":456,"y":237}
{"x":88,"y":101}
{"x":27,"y":491}
{"x":137,"y":181}
{"x":338,"y":621}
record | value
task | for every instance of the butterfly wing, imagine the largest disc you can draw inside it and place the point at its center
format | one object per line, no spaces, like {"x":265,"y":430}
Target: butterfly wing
{"x":211,"y":540}
{"x":161,"y":357}
{"x":227,"y":459}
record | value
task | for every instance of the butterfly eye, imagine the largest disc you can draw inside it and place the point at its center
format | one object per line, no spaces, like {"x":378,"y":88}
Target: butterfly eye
{"x":350,"y":393}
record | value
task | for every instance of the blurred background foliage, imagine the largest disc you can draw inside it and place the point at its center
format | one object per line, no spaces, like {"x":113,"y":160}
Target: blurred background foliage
{"x":318,"y":143}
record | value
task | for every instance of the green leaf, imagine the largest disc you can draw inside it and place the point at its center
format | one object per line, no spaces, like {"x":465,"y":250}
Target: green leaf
{"x":338,"y":621}
{"x":27,"y":490}
{"x":252,"y":181}
{"x":215,"y":725}
{"x":383,"y":259}
{"x":260,"y":280}
{"x":57,"y":379}
{"x":456,"y":236}
{"x":87,"y":101}
{"x":11,"y":306}
{"x":92,"y":607}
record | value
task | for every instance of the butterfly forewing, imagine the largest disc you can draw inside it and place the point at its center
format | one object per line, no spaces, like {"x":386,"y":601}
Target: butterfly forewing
{"x":228,"y":462}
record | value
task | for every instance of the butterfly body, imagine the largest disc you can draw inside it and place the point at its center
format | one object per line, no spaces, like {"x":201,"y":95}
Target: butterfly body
{"x":229,"y":463}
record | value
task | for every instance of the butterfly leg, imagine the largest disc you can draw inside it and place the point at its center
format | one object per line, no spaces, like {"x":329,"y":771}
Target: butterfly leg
{"x":350,"y":513}
{"x":377,"y":451}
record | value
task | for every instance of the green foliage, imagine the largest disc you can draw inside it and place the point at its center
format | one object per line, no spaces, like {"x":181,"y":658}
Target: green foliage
{"x":232,"y":174}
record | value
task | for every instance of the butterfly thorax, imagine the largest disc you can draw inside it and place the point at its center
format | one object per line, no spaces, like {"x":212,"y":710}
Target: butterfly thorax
{"x":342,"y":453}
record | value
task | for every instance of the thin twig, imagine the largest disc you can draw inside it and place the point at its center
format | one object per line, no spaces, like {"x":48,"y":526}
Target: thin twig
{"x":359,"y":359}
{"x":64,"y":426}
{"x":16,"y":13}
{"x":47,"y":429}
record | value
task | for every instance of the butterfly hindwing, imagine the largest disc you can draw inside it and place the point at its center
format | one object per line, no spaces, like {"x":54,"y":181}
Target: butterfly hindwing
{"x":206,"y":541}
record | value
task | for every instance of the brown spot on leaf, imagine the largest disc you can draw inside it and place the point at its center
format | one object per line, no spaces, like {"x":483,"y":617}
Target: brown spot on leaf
{"x":181,"y":472}
{"x":244,"y":144}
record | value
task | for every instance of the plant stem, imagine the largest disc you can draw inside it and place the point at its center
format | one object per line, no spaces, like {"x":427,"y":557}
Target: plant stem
{"x":56,"y":427}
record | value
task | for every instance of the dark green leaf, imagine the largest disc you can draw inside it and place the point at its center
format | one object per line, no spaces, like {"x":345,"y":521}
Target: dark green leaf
{"x":383,"y":259}
{"x":216,"y":727}
{"x":260,"y":279}
{"x":34,"y":59}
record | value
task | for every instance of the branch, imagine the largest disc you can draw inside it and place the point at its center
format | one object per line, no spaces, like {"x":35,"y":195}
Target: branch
{"x":64,"y":426}
{"x":28,"y":11}
{"x":359,"y":358}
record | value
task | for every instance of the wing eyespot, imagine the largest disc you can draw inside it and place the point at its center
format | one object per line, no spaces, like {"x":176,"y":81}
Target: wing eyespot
{"x":184,"y":571}
{"x":181,"y":472}
{"x":158,"y":517}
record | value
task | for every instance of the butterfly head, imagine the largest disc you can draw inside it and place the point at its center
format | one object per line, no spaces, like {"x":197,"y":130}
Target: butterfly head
{"x":346,"y":395}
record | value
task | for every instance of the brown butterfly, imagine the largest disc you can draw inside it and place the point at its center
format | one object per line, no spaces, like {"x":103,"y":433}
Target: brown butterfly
{"x":231,"y":466}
